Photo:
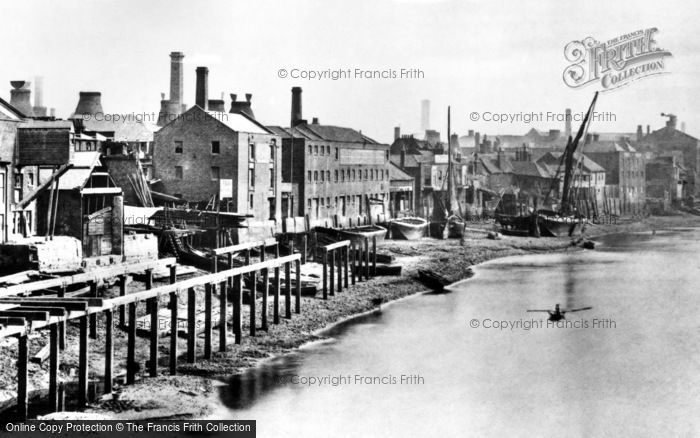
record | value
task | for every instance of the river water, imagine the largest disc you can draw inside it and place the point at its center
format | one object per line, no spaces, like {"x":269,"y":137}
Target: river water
{"x":628,"y":367}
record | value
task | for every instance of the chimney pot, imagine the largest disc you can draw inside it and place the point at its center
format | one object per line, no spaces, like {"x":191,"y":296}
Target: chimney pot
{"x":248,"y":97}
{"x":397,"y":132}
{"x":314,"y":121}
{"x":233,"y":97}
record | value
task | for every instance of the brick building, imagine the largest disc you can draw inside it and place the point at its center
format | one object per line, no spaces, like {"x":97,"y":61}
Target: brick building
{"x":331,"y":171}
{"x":205,"y":153}
{"x":625,"y":172}
{"x":669,"y":139}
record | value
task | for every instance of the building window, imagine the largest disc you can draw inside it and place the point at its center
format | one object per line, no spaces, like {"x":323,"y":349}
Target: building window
{"x":336,"y":175}
{"x":272,"y":151}
{"x":215,"y":147}
{"x":272,"y":177}
{"x":315,"y":175}
{"x":322,"y":150}
{"x":251,"y":177}
{"x":310,"y":176}
{"x":386,"y":155}
{"x":366,"y":174}
{"x":353,"y":174}
{"x":178,"y":172}
{"x":30,"y":179}
{"x":272,"y":206}
{"x":250,"y":200}
{"x":337,"y":153}
{"x":308,"y":205}
{"x":311,"y":150}
{"x":322,"y":176}
{"x":251,"y":151}
{"x":323,"y":202}
{"x":328,"y":175}
{"x":342,"y":175}
{"x":178,"y":147}
{"x":215,"y":175}
{"x":316,"y":150}
{"x":328,"y":150}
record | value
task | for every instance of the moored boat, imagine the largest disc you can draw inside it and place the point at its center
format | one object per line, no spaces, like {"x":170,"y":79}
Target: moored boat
{"x":433,"y":280}
{"x":408,"y":228}
{"x":355,"y":234}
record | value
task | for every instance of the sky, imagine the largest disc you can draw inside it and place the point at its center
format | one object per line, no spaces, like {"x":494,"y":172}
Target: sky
{"x":476,"y":56}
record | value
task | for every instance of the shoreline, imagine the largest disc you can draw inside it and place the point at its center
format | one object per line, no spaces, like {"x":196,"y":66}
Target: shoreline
{"x":193,"y":392}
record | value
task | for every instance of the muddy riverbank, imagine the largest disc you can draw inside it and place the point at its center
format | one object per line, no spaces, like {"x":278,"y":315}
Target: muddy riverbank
{"x":192,"y":393}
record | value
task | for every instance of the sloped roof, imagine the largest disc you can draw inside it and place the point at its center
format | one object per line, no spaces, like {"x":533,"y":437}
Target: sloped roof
{"x":47,"y":124}
{"x":553,"y":158}
{"x":123,"y":130}
{"x":239,"y":122}
{"x":609,"y":146}
{"x":9,"y":112}
{"x":83,"y":165}
{"x":396,"y":174}
{"x":666,"y":134}
{"x":317,"y":132}
{"x":530,"y":168}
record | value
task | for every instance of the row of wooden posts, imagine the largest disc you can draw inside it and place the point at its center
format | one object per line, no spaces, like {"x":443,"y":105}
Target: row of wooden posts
{"x":87,"y":310}
{"x":351,"y":261}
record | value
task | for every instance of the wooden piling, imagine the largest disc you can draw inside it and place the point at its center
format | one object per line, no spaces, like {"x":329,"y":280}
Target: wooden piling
{"x":62,"y":324}
{"x":122,"y":308}
{"x":191,"y":325}
{"x":331,"y":267}
{"x":237,"y":305}
{"x":374,"y":255}
{"x":109,"y":351}
{"x":223,"y":306}
{"x":288,"y":290}
{"x":325,"y":274}
{"x":83,"y":362}
{"x":265,"y":297}
{"x":304,"y":248}
{"x":93,"y":316}
{"x":346,"y":265}
{"x":366,"y":258}
{"x":276,"y":298}
{"x":173,"y":273}
{"x":173,"y":332}
{"x":155,"y":335}
{"x":353,"y":256}
{"x":131,"y":346}
{"x":340,"y":268}
{"x":22,"y":378}
{"x":207,"y":319}
{"x":53,"y":367}
{"x":253,"y":298}
{"x":297,"y":304}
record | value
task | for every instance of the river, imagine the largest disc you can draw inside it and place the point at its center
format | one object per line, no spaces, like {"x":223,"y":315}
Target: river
{"x":630,"y":366}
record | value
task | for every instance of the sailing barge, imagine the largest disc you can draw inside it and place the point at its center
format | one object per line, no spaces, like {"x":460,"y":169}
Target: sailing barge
{"x":565,"y":221}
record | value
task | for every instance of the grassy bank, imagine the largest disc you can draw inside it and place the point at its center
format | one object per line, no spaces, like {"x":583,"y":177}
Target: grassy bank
{"x":193,"y":392}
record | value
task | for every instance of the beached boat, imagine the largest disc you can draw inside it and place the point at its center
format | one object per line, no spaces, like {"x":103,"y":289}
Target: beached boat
{"x":433,"y":280}
{"x":525,"y":220}
{"x":355,"y":234}
{"x":409,"y":228}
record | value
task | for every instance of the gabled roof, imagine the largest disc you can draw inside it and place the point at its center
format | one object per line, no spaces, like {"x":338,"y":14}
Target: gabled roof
{"x":122,"y":130}
{"x":609,"y":146}
{"x":666,"y":134}
{"x":83,"y":165}
{"x":530,"y":168}
{"x":9,"y":112}
{"x":554,"y":158}
{"x":240,"y":122}
{"x":396,"y":174}
{"x":317,"y":132}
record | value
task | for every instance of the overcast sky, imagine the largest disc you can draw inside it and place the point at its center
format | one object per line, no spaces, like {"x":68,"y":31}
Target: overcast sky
{"x":476,"y":56}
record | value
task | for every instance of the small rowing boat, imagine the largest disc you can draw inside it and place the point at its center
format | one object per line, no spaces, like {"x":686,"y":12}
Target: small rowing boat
{"x":409,"y":228}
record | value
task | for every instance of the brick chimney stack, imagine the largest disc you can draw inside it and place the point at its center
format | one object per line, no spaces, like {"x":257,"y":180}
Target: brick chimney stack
{"x":397,"y":132}
{"x":201,"y":98}
{"x":296,"y":106}
{"x":639,"y":133}
{"x":176,"y":77}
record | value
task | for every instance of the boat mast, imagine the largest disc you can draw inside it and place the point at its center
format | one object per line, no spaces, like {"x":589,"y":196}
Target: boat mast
{"x":569,"y":157}
{"x":449,"y":165}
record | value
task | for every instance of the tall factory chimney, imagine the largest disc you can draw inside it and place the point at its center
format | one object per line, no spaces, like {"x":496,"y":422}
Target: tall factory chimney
{"x":424,"y":115}
{"x":39,"y":108}
{"x":640,"y":133}
{"x":567,"y":123}
{"x":397,"y":132}
{"x":176,"y":77}
{"x":296,"y":106}
{"x":202,"y":87}
{"x":20,"y":97}
{"x":90,"y":102}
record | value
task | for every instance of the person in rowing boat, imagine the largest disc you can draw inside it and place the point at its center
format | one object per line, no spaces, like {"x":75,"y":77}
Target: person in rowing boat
{"x":559,"y":314}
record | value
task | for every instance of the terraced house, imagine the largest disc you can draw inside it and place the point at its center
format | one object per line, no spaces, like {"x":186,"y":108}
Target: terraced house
{"x":332,"y":172}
